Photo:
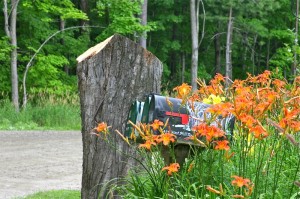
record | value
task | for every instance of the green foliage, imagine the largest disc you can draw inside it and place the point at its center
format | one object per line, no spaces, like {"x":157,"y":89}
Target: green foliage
{"x":4,"y":64}
{"x":281,"y":61}
{"x":65,"y":9}
{"x":5,"y":49}
{"x":54,"y":66}
{"x":55,"y":194}
{"x":256,"y":25}
{"x":47,"y":73}
{"x":121,"y":17}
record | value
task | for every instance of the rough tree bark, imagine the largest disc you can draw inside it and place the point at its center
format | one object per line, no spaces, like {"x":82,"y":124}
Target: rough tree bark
{"x":111,"y":76}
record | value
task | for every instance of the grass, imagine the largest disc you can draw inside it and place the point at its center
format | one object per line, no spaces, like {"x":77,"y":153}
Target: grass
{"x":54,"y":194}
{"x":42,"y":113}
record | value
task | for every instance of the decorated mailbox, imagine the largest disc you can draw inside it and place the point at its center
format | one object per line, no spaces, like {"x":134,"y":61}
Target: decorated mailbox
{"x":181,"y":115}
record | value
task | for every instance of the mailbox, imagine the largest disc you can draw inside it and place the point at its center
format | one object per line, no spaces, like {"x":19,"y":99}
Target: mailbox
{"x":163,"y":108}
{"x":134,"y":115}
{"x":182,"y":117}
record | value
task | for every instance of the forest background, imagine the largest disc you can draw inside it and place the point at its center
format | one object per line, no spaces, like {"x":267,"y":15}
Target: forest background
{"x":40,"y":40}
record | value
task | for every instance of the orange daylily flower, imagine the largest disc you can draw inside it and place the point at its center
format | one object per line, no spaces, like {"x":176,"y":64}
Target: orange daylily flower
{"x":156,"y":124}
{"x":183,"y":90}
{"x":213,"y":132}
{"x":151,"y":137}
{"x":242,"y":104}
{"x":166,"y":138}
{"x":261,"y":108}
{"x":259,"y":132}
{"x":222,"y":145}
{"x":219,"y":77}
{"x":223,"y":109}
{"x":295,"y":126}
{"x":271,"y":96}
{"x":200,"y":128}
{"x":248,"y":120}
{"x":147,"y":144}
{"x":278,"y":83}
{"x":262,"y":78}
{"x":102,"y":127}
{"x":240,"y":182}
{"x":173,"y":168}
{"x":209,"y":132}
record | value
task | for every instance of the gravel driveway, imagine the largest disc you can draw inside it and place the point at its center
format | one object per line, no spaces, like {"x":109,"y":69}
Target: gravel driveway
{"x":32,"y":161}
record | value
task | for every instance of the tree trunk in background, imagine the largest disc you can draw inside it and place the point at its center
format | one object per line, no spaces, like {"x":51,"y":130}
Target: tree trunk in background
{"x":228,"y":48}
{"x":84,"y":6}
{"x":173,"y":61}
{"x":143,"y":38}
{"x":245,"y":44}
{"x":62,"y":41}
{"x":11,"y":32}
{"x":295,"y":64}
{"x":268,"y":55}
{"x":217,"y":52}
{"x":110,"y":77}
{"x":253,"y":54}
{"x":183,"y":67}
{"x":194,"y":7}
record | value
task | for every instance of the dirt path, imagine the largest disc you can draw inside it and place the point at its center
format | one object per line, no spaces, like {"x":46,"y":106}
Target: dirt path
{"x":32,"y":161}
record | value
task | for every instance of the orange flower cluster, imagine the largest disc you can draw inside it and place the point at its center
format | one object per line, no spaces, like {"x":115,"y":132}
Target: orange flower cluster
{"x":252,"y":100}
{"x":223,"y":109}
{"x":164,"y":138}
{"x":151,"y":140}
{"x":215,"y":87}
{"x":183,"y":91}
{"x":173,"y":168}
{"x":290,"y":119}
{"x":210,"y":133}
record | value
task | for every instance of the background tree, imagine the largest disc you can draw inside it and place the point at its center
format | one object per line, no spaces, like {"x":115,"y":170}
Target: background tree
{"x":143,"y":37}
{"x":10,"y":25}
{"x":195,"y":41}
{"x":228,"y":47}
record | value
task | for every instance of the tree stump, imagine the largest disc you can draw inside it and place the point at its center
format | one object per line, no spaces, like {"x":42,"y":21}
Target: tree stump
{"x":111,"y":75}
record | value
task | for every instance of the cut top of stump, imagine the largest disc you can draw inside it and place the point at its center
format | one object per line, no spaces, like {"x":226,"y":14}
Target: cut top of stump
{"x":93,"y":50}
